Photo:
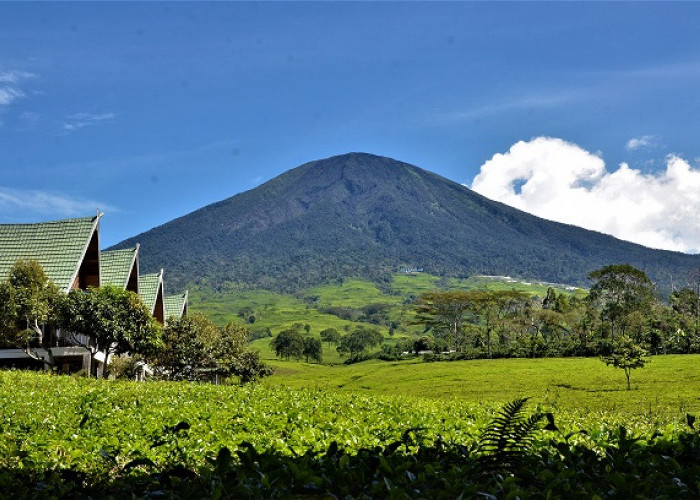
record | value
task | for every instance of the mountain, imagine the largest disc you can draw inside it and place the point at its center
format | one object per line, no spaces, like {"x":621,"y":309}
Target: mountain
{"x":364,"y":215}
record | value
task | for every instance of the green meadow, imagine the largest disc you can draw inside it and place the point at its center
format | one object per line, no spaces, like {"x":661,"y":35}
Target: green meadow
{"x":663,"y":391}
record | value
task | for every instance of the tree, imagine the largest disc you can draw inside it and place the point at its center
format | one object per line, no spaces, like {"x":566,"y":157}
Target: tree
{"x":686,"y":304}
{"x":619,"y":290}
{"x":313,"y":349}
{"x":288,"y":344}
{"x":195,"y":349}
{"x":330,"y":335}
{"x":445,"y":313}
{"x":423,"y":343}
{"x":111,"y":320}
{"x":359,"y":341}
{"x":185,"y":350}
{"x":248,"y":367}
{"x":450,"y":313}
{"x":546,"y":326}
{"x":29,"y":302}
{"x":627,"y":356}
{"x":229,"y":355}
{"x":492,"y":307}
{"x":124,"y":367}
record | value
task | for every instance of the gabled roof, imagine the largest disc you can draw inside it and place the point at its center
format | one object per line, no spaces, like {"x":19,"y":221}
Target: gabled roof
{"x":59,"y":246}
{"x":151,"y":293}
{"x":176,"y":305}
{"x":117,"y":266}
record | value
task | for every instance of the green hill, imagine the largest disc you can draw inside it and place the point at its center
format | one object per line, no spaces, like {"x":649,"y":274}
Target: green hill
{"x":366,"y":216}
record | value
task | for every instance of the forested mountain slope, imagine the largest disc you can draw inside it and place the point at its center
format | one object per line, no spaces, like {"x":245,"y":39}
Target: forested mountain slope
{"x":364,"y":215}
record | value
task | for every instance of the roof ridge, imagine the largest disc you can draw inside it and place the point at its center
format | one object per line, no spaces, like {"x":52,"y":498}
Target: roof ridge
{"x":51,"y":222}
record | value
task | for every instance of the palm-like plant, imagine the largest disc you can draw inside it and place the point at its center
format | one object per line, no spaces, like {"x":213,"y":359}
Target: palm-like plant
{"x":510,"y":435}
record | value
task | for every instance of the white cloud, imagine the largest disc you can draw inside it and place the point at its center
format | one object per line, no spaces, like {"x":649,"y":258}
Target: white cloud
{"x":9,"y":95}
{"x":80,"y":120}
{"x":526,"y":101}
{"x":8,"y":90}
{"x":645,"y":141}
{"x":560,"y":181}
{"x":15,"y":76}
{"x":34,"y":202}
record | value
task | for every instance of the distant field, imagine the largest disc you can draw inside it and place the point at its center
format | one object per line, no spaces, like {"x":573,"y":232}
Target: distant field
{"x":666,"y":389}
{"x":279,"y":311}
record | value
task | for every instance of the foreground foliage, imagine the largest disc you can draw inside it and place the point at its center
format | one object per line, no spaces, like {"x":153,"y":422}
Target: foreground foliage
{"x":71,"y":437}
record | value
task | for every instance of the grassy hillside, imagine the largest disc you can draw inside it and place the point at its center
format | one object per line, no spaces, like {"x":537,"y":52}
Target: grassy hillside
{"x":277,"y":311}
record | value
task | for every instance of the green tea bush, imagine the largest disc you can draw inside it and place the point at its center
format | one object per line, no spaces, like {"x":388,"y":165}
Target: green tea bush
{"x":64,"y":437}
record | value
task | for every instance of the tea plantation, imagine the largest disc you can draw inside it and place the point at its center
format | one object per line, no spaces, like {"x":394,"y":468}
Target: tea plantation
{"x":74,"y":437}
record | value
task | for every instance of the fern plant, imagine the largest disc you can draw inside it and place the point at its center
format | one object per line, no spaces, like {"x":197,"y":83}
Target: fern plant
{"x":509,"y":437}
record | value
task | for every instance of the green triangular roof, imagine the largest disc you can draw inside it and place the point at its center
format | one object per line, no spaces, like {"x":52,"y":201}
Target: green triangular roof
{"x":176,"y":305}
{"x":59,"y":246}
{"x":149,"y":284}
{"x":117,"y":265}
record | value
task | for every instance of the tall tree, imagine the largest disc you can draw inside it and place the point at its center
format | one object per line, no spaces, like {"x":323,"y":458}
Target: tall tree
{"x":493,"y":307}
{"x":186,"y":348}
{"x":359,"y":341}
{"x":686,"y":304}
{"x":330,"y":335}
{"x":111,"y":320}
{"x":619,"y":290}
{"x":30,"y":301}
{"x":313,"y":349}
{"x":446,"y":314}
{"x":229,"y":355}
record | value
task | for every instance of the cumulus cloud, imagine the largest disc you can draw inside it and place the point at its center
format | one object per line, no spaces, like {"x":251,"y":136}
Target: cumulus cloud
{"x":81,"y":120}
{"x":34,"y":202}
{"x":645,"y":141}
{"x":561,"y":181}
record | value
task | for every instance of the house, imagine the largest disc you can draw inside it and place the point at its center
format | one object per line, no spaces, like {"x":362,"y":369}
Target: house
{"x":68,"y":251}
{"x":151,"y":293}
{"x":121,"y":268}
{"x":176,"y":305}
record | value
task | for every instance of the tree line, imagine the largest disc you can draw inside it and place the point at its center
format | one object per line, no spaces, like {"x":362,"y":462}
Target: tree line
{"x":621,"y":319}
{"x":623,"y":303}
{"x":115,"y":322}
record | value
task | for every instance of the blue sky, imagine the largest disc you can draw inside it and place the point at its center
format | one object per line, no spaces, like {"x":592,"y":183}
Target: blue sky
{"x":150,"y":111}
